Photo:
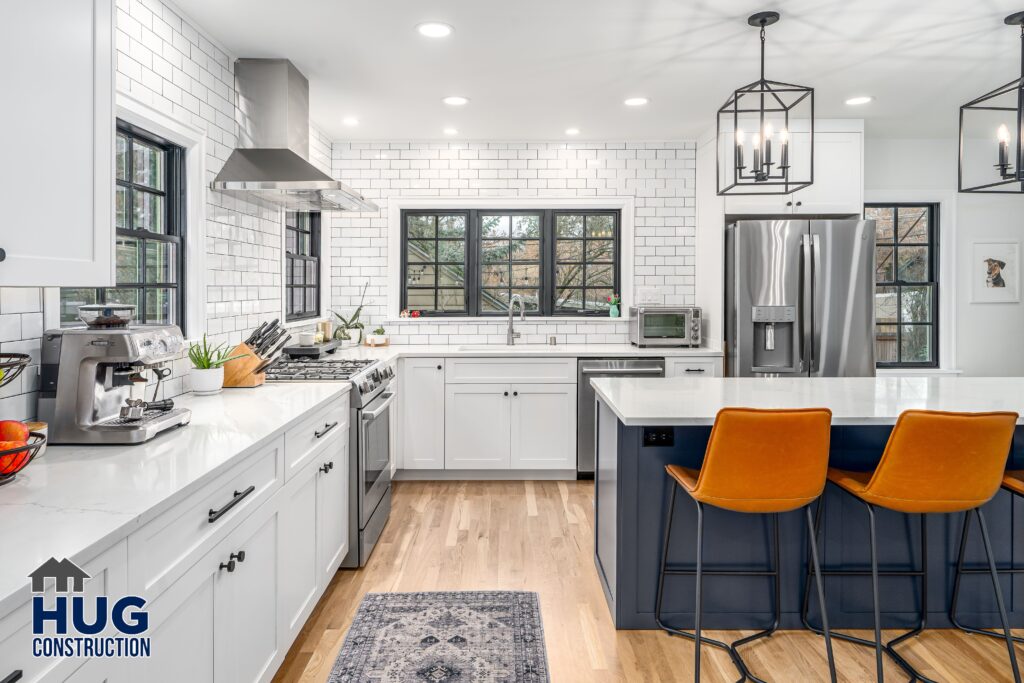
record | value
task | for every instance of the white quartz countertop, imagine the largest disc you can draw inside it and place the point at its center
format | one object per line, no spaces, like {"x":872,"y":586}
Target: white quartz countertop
{"x":387,"y":353}
{"x":76,"y":501}
{"x":853,"y":401}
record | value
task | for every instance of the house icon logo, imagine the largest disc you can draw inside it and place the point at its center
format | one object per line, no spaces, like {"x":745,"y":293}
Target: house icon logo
{"x":68,"y":577}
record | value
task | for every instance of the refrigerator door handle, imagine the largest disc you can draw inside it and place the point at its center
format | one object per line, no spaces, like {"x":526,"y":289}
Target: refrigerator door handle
{"x":806,"y":304}
{"x":815,"y":289}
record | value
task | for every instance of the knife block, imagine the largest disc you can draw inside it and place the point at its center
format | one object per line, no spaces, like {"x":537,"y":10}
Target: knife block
{"x":239,"y":372}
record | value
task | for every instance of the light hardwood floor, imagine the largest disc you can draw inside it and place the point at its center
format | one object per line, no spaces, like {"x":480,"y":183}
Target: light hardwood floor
{"x":538,"y":536}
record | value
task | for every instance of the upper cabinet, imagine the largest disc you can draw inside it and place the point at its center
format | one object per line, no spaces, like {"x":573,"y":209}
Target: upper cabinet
{"x":56,"y":177}
{"x":838,"y":180}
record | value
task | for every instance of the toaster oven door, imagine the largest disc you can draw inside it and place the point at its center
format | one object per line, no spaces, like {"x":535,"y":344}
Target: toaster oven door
{"x":665,"y":328}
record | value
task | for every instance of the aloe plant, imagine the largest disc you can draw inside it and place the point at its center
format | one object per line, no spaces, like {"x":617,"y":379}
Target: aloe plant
{"x":207,"y":357}
{"x":351,"y":323}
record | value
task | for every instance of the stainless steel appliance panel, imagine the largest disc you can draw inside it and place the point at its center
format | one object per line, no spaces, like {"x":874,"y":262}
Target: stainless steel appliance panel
{"x":586,"y":404}
{"x":665,"y":325}
{"x":843,"y":331}
{"x":374,"y":454}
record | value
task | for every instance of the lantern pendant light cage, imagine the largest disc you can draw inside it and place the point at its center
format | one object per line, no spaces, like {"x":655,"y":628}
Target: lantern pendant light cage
{"x":765,"y":133}
{"x":991,"y":132}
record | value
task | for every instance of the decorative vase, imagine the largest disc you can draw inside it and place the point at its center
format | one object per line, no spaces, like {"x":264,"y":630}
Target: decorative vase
{"x":613,"y":311}
{"x":207,"y":381}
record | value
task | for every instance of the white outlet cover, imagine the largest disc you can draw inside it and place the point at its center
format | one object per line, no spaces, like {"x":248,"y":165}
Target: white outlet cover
{"x":649,"y":296}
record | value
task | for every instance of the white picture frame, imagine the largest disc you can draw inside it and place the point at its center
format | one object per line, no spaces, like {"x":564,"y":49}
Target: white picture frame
{"x":995,"y":272}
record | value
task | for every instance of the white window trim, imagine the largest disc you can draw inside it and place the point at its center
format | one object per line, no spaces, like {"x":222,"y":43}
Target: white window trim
{"x":193,"y":141}
{"x":324,"y":314}
{"x":395,"y":207}
{"x":946,"y":199}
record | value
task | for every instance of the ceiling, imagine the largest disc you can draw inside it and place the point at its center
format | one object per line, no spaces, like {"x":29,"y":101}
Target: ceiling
{"x":533,"y":68}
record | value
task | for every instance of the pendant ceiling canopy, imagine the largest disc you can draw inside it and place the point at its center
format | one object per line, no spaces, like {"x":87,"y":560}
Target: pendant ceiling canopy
{"x":991,"y":127}
{"x":765,"y":133}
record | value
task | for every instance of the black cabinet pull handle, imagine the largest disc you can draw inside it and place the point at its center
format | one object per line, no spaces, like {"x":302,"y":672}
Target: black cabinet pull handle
{"x":16,"y":676}
{"x":214,"y":515}
{"x":327,"y":428}
{"x":229,"y":565}
{"x":694,"y":369}
{"x":240,"y":556}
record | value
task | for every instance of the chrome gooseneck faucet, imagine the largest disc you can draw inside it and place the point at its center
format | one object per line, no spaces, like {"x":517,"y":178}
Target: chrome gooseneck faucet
{"x":512,"y":334}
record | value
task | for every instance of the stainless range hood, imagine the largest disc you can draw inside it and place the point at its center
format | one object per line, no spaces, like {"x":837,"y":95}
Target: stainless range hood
{"x":271,"y":162}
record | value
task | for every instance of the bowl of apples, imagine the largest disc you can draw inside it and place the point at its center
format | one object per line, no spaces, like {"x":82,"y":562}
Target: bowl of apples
{"x":18,"y":446}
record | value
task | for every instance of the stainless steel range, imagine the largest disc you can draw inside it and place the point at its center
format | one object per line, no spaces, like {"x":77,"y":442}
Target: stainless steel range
{"x":371,"y":400}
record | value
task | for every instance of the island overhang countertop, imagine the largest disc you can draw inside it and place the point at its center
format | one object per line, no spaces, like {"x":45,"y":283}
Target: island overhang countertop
{"x":654,"y":402}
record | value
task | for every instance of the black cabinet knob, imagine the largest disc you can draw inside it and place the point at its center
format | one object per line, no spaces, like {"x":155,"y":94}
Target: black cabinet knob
{"x":324,"y":468}
{"x":789,"y":203}
{"x":240,"y":556}
{"x":330,"y":465}
{"x":799,"y":203}
{"x":515,"y":393}
{"x":229,"y":565}
{"x":3,"y":257}
{"x":438,"y":367}
{"x":506,"y":393}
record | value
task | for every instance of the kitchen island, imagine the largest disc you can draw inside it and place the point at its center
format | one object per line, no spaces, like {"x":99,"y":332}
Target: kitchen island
{"x":645,"y":424}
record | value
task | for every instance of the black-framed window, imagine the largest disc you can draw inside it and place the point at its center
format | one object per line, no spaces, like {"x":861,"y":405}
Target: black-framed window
{"x":149,"y":223}
{"x":302,"y":265}
{"x":906,"y":284}
{"x":471,"y":262}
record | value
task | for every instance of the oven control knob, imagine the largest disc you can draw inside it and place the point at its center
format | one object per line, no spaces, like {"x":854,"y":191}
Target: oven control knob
{"x":365,"y":387}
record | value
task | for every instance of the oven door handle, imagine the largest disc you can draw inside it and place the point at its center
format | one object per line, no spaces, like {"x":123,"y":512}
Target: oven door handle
{"x":369,"y":415}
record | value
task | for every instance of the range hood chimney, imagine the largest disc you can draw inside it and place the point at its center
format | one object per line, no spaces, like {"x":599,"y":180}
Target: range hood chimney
{"x":271,"y":162}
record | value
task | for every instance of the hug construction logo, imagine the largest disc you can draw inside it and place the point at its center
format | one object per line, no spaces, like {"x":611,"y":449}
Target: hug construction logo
{"x":77,"y":626}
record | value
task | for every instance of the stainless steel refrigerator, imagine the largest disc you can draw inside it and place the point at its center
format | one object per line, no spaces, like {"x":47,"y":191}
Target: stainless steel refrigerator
{"x":799,"y":298}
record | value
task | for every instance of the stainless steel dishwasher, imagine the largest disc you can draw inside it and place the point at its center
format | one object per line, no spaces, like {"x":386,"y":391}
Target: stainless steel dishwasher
{"x":588,"y":369}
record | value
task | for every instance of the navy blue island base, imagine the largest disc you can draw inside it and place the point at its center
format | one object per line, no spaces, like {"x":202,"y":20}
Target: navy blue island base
{"x":632,"y":498}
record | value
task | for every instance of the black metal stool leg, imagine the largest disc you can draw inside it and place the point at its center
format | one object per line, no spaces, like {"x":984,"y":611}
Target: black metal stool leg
{"x":698,"y":608}
{"x":664,"y":557}
{"x":821,"y":592}
{"x":874,"y":595}
{"x":999,"y":595}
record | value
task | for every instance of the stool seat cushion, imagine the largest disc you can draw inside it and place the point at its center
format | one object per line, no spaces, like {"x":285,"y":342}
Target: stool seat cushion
{"x":1013,"y":480}
{"x":684,"y":476}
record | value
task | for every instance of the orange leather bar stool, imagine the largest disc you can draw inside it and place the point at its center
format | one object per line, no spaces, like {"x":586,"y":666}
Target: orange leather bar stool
{"x":934,"y":462}
{"x":760,"y":462}
{"x":1013,"y":481}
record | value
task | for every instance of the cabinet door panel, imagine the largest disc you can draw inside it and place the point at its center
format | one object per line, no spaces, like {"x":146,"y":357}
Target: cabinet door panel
{"x":332,"y":504}
{"x":62,"y":127}
{"x":422,"y":413}
{"x":299,"y":578}
{"x":477,"y":427}
{"x":838,"y":176}
{"x":543,"y":426}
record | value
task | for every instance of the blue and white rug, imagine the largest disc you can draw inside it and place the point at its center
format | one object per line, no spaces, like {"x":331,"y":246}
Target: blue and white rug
{"x":492,"y":636}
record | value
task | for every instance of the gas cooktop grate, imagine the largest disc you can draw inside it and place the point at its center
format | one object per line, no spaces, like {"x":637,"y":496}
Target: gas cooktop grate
{"x":314,"y":370}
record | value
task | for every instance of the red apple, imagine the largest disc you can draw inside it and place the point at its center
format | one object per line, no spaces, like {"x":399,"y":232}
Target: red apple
{"x":12,"y":430}
{"x":12,"y":462}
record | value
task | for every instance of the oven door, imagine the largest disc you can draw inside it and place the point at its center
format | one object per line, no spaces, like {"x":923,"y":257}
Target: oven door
{"x":665,"y":328}
{"x":374,"y":454}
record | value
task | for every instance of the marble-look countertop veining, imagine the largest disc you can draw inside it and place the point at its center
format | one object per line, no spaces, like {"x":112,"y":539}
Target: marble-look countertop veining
{"x":388,"y":353}
{"x":852,"y":400}
{"x":76,"y":501}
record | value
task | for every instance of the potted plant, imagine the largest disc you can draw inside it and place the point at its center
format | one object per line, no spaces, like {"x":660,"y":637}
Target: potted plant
{"x":347,"y":327}
{"x":207,"y":371}
{"x":378,"y":338}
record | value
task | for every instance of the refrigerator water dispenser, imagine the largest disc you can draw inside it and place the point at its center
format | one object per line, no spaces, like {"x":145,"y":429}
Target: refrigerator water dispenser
{"x":775,"y":339}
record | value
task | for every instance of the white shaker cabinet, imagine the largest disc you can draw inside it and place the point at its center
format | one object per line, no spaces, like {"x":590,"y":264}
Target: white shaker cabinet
{"x":332,"y":509}
{"x":298,"y":563}
{"x":422,"y":413}
{"x":477,"y":427}
{"x":543,"y":426}
{"x":57,"y":177}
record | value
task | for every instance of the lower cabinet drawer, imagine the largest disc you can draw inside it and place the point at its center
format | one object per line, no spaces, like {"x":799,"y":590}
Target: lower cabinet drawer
{"x":693,"y":367}
{"x":326,"y":424}
{"x":162,"y":550}
{"x":492,"y":370}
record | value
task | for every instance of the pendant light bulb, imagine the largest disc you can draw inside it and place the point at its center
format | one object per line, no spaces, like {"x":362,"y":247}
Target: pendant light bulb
{"x":768,"y":130}
{"x":1003,"y":134}
{"x":783,"y":136}
{"x":740,"y":136}
{"x":756,"y":140}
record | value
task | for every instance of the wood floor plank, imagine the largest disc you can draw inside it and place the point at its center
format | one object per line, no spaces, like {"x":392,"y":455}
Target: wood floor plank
{"x":539,"y":536}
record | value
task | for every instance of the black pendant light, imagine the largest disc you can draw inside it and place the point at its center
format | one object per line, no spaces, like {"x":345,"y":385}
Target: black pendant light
{"x":991,"y":127}
{"x":765,"y":133}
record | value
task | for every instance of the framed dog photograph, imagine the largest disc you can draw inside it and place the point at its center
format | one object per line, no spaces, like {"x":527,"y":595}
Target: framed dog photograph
{"x":995,"y":272}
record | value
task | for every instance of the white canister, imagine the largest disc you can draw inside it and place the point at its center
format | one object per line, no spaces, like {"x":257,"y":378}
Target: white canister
{"x":207,"y":381}
{"x":307,"y":338}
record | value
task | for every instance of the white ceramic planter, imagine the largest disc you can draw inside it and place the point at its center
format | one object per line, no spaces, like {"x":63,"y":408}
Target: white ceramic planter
{"x":206,"y":382}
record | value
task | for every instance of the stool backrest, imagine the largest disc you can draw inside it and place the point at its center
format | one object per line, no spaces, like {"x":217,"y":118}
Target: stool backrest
{"x":765,"y":460}
{"x":943,"y":462}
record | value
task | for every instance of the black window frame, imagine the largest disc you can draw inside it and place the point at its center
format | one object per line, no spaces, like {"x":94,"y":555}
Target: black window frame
{"x":473,"y":260}
{"x":175,"y":220}
{"x":316,"y":251}
{"x":898,"y":284}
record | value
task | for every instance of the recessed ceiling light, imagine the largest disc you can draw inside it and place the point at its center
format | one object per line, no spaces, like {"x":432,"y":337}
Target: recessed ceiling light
{"x":434,"y":29}
{"x":861,"y":99}
{"x":636,"y":101}
{"x":450,"y":131}
{"x":455,"y":100}
{"x":350,"y":121}
{"x":572,"y":131}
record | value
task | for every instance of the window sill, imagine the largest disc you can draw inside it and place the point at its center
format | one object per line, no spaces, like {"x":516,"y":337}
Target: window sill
{"x":305,"y":322}
{"x":915,"y":372}
{"x":601,"y":320}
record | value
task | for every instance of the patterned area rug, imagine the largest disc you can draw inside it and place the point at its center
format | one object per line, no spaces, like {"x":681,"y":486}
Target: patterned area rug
{"x":492,"y":636}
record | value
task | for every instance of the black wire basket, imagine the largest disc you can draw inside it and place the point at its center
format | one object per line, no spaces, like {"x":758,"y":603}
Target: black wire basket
{"x":14,"y":460}
{"x":12,"y":365}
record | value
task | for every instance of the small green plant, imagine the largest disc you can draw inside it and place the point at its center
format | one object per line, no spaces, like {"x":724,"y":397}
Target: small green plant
{"x":207,"y":357}
{"x":379,"y":332}
{"x":352,"y":323}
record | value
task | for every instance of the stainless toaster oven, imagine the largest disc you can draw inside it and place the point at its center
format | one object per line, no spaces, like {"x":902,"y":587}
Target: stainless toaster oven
{"x":664,"y":325}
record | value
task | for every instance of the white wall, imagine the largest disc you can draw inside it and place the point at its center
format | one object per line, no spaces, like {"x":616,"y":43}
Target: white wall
{"x":659,"y":177}
{"x":986,"y":337}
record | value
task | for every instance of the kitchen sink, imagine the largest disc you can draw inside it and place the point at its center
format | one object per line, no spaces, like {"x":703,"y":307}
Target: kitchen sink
{"x":505,"y":348}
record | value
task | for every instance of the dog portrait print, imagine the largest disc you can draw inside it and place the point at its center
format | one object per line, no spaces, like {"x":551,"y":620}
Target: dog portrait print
{"x":994,"y":273}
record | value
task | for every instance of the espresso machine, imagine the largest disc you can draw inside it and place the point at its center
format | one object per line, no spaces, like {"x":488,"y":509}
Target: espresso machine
{"x":94,"y":382}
